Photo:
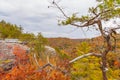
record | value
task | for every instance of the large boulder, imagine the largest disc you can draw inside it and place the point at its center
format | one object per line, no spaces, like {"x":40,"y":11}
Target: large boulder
{"x":50,"y":51}
{"x":10,"y":53}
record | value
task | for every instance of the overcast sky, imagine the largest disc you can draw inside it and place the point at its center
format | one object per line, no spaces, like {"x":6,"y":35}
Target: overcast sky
{"x":35,"y":16}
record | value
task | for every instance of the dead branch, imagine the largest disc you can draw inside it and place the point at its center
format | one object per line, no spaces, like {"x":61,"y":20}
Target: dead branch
{"x":52,"y":66}
{"x":36,"y":60}
{"x":85,"y":55}
{"x":54,"y":3}
{"x":113,"y":32}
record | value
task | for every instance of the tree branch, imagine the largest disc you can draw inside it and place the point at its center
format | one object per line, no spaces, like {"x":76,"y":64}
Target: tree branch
{"x":52,"y":66}
{"x":87,"y":23}
{"x":85,"y":55}
{"x":60,"y":9}
{"x":90,"y":21}
{"x":36,"y":60}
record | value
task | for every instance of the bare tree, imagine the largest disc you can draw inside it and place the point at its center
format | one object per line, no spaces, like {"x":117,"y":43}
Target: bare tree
{"x":104,"y":11}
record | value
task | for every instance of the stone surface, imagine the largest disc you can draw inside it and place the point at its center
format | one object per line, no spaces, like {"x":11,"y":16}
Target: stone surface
{"x":7,"y":56}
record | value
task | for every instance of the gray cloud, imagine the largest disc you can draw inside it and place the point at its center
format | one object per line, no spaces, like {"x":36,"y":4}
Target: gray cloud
{"x":35,"y":16}
{"x":4,"y":14}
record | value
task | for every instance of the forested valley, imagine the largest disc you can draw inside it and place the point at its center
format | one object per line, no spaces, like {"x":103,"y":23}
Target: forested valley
{"x":58,"y":67}
{"x":29,"y":56}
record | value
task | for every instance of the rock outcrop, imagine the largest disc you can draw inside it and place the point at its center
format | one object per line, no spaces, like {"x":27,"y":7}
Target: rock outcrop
{"x":8,"y":56}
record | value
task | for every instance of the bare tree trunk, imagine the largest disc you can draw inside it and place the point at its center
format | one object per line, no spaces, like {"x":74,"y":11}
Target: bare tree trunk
{"x":104,"y":67}
{"x":107,"y":49}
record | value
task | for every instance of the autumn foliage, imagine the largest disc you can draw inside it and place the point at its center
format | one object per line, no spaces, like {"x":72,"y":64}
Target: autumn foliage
{"x":20,"y":53}
{"x":25,"y":70}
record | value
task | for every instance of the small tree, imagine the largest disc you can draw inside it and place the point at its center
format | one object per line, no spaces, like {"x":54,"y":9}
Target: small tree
{"x":104,"y":11}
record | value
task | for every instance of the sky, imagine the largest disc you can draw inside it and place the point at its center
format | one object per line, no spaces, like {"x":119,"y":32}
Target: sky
{"x":35,"y":16}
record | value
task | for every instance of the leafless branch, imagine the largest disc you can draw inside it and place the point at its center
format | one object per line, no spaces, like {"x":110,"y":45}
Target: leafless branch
{"x":36,"y":60}
{"x":54,"y":3}
{"x":85,"y":55}
{"x":111,"y":32}
{"x":52,"y":66}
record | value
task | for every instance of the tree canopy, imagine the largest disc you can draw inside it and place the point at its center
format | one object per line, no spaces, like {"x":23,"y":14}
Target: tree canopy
{"x":105,"y":10}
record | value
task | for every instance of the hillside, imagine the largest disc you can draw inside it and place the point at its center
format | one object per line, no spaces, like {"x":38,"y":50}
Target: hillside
{"x":66,"y":44}
{"x":69,"y":45}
